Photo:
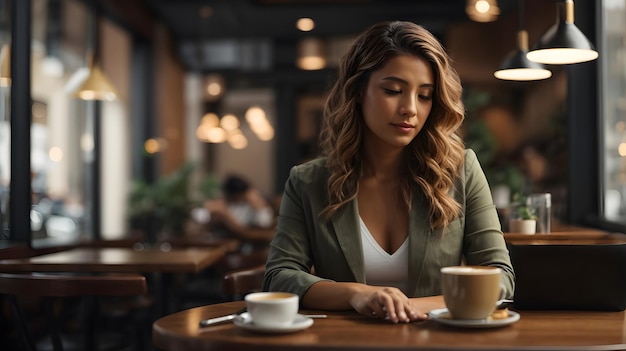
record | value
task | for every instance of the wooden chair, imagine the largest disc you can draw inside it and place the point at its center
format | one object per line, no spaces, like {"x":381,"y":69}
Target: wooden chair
{"x":238,"y":283}
{"x":234,"y":261}
{"x":49,"y":286}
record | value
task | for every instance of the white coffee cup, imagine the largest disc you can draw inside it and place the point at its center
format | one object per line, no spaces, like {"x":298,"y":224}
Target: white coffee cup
{"x":272,"y":309}
{"x":471,"y":292}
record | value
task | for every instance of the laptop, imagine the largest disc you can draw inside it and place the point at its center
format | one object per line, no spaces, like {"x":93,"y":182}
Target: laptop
{"x":569,"y":276}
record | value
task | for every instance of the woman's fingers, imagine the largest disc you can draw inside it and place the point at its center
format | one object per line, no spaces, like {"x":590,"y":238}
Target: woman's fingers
{"x":394,"y":303}
{"x":378,"y":309}
{"x":399,"y":308}
{"x":388,"y":304}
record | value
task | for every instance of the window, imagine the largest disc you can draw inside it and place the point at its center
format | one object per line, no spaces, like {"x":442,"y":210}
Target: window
{"x":613,"y":105}
{"x":5,"y":117}
{"x":79,"y":160}
{"x":60,"y":133}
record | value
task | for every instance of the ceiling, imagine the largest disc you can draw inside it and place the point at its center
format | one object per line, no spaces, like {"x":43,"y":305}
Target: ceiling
{"x":260,"y":35}
{"x":276,"y":18}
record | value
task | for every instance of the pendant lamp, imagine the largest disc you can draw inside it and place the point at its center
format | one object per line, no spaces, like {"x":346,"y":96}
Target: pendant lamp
{"x":5,"y":65}
{"x":482,"y":10}
{"x":563,"y":43}
{"x":97,"y":86}
{"x":311,"y":54}
{"x":516,"y":66}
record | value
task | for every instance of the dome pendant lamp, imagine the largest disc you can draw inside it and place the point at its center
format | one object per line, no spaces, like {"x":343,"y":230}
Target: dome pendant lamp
{"x":563,"y":43}
{"x":96,"y":86}
{"x":482,"y":10}
{"x":516,"y":66}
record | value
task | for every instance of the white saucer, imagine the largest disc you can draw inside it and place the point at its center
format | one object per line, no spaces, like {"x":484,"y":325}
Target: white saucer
{"x":444,"y":317}
{"x":301,"y":322}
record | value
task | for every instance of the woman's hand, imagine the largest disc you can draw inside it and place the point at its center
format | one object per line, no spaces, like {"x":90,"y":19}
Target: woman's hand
{"x":382,"y":302}
{"x":387,"y":303}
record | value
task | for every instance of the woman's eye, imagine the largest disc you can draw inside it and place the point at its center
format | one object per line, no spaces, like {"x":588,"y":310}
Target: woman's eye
{"x":392,"y":92}
{"x":425,"y":97}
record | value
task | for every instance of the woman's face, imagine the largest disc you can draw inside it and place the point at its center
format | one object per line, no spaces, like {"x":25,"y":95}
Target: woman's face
{"x":397,"y":101}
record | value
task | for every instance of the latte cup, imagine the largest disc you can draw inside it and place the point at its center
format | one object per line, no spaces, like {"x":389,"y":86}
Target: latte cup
{"x":471,"y":292}
{"x":272,"y":309}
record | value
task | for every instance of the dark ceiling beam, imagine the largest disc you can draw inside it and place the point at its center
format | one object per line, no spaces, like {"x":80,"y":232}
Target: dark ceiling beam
{"x":200,"y":35}
{"x":253,"y":18}
{"x":133,"y":15}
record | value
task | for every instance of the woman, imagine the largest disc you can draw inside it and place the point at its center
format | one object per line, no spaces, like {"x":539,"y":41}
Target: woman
{"x":396,"y":196}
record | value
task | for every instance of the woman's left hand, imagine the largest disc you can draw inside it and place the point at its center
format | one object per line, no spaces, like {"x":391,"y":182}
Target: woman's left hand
{"x":387,"y":303}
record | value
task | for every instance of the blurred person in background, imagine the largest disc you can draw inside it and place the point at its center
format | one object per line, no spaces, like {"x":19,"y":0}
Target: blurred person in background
{"x":242,"y":212}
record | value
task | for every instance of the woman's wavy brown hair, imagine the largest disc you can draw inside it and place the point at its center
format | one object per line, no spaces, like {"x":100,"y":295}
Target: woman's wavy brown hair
{"x":433,"y":159}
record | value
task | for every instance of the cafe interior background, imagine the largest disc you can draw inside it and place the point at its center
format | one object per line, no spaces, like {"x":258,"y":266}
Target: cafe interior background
{"x":199,"y":89}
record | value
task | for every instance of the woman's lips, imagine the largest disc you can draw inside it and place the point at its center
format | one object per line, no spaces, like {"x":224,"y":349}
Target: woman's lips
{"x":403,"y":127}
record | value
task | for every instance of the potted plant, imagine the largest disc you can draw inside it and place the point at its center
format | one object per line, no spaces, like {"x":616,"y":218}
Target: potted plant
{"x":163,"y":207}
{"x":523,"y":219}
{"x":505,"y":178}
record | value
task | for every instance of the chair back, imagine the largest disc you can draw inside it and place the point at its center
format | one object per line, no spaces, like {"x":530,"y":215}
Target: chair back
{"x":240,"y":260}
{"x":238,"y":283}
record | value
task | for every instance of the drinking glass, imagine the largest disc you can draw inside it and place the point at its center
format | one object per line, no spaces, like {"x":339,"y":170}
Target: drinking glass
{"x":542,"y":204}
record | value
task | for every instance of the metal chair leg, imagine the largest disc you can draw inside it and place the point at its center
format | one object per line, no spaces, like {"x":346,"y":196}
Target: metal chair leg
{"x":21,"y":321}
{"x":91,"y":316}
{"x":51,"y":319}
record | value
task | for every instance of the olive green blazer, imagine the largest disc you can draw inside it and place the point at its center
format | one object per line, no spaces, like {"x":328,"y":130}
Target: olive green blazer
{"x":333,"y":247}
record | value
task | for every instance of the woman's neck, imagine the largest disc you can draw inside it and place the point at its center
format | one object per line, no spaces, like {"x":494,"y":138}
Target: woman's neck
{"x":381,"y":163}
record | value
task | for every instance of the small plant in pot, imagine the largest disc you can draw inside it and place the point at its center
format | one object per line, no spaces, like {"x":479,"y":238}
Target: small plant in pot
{"x":161,"y":208}
{"x":523,"y":218}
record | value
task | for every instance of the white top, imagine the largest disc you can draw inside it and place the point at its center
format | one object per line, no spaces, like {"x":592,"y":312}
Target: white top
{"x":382,"y":268}
{"x":248,"y":216}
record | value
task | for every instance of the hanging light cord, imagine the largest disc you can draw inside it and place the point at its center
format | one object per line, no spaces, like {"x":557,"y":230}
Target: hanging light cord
{"x":522,"y":35}
{"x":93,"y":33}
{"x":520,"y":22}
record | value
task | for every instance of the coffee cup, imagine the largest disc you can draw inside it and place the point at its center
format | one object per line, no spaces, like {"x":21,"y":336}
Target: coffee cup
{"x":272,"y":309}
{"x":471,"y":292}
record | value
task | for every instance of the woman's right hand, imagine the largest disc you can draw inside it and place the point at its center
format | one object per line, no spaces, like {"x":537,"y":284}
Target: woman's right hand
{"x":387,"y":303}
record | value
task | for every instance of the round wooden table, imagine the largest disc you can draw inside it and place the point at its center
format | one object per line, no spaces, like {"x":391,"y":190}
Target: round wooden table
{"x":347,"y":330}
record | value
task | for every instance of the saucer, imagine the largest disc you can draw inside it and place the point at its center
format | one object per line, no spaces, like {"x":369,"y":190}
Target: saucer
{"x":444,"y":317}
{"x":300,"y":322}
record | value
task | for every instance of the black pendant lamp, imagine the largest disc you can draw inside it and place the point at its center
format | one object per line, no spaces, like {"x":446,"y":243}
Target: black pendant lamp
{"x":563,"y":43}
{"x":516,"y":66}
